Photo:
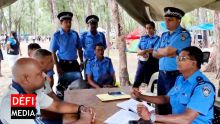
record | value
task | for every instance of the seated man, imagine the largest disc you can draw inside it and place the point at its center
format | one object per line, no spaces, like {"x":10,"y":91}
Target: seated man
{"x":45,"y":58}
{"x":27,"y":78}
{"x":192,"y":97}
{"x":32,"y":47}
{"x":99,"y":70}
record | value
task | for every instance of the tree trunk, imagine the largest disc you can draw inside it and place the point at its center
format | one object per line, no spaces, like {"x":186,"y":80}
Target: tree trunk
{"x":123,"y":72}
{"x":1,"y":20}
{"x":53,"y":7}
{"x":89,"y":7}
{"x":217,"y":35}
{"x":10,"y":22}
{"x":108,"y":28}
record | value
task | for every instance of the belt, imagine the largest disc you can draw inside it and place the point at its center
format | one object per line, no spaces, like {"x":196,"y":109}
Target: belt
{"x":68,"y":61}
{"x":169,"y":72}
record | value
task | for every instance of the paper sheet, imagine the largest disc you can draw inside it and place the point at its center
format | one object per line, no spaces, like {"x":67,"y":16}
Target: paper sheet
{"x":107,"y":97}
{"x":122,"y":117}
{"x":131,"y":104}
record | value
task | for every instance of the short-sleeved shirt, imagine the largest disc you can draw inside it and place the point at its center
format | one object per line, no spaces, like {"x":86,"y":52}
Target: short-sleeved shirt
{"x":65,"y":44}
{"x":43,"y":101}
{"x":147,"y":42}
{"x":88,"y":41}
{"x":11,"y":41}
{"x":193,"y":93}
{"x":100,"y":69}
{"x":179,"y":39}
{"x":46,"y":89}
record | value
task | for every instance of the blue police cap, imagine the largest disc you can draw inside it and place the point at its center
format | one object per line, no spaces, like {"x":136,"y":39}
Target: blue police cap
{"x":92,"y":18}
{"x":65,"y":15}
{"x":173,"y":12}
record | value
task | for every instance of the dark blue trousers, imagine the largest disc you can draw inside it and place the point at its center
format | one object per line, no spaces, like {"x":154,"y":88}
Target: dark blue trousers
{"x":145,"y":71}
{"x":165,"y":82}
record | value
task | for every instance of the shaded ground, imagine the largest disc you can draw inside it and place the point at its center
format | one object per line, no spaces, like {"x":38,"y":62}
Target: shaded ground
{"x":131,"y":57}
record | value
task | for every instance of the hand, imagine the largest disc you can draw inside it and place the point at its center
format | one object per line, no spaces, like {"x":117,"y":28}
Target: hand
{"x":107,"y":86}
{"x":141,"y":52}
{"x":136,"y":93}
{"x":87,"y":114}
{"x":143,"y":112}
{"x":59,"y":71}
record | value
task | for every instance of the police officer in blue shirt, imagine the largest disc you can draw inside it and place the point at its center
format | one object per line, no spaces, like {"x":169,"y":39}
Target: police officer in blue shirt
{"x":64,"y":44}
{"x":90,"y":38}
{"x":192,"y":97}
{"x":170,"y":45}
{"x":100,"y":72}
{"x":147,"y":65}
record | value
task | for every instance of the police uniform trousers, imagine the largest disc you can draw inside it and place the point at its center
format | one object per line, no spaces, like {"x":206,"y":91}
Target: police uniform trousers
{"x":67,"y":66}
{"x":165,"y":82}
{"x":145,"y":70}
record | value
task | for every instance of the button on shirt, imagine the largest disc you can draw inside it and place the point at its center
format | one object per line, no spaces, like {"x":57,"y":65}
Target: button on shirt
{"x":179,"y":39}
{"x":98,"y":68}
{"x":42,"y":101}
{"x":147,"y":42}
{"x":182,"y":97}
{"x":65,"y":44}
{"x":88,"y":41}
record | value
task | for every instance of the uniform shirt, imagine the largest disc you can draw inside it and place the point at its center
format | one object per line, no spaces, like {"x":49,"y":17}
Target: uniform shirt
{"x":147,"y":42}
{"x":88,"y":41}
{"x":42,"y":101}
{"x":198,"y":97}
{"x":99,"y":69}
{"x":65,"y":44}
{"x":179,"y":39}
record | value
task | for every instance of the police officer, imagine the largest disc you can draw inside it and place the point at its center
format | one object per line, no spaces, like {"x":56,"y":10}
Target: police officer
{"x":192,"y":97}
{"x":170,"y":45}
{"x":90,"y":38}
{"x":100,"y":72}
{"x":64,"y":45}
{"x":147,"y":65}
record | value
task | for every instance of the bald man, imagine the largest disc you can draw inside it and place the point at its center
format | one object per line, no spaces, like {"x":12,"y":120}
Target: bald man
{"x":27,"y":82}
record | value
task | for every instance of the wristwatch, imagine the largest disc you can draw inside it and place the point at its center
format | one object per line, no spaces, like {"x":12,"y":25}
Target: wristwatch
{"x":153,"y":117}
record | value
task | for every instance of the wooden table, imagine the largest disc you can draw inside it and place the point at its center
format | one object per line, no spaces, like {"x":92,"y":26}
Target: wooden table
{"x":88,"y":97}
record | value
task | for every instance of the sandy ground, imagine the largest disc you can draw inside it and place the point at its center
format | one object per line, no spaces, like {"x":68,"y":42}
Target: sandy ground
{"x":131,"y":57}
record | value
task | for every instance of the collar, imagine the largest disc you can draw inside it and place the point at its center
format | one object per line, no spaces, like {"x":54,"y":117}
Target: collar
{"x":192,"y":78}
{"x":154,"y":36}
{"x":96,"y":60}
{"x":178,"y":29}
{"x":62,"y":31}
{"x":90,"y":34}
{"x":18,"y":87}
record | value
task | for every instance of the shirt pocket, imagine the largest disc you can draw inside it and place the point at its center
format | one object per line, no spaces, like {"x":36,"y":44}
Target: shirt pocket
{"x":184,"y":98}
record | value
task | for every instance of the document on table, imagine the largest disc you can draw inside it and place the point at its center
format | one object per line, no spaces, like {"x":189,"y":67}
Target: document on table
{"x":131,"y":104}
{"x":107,"y":97}
{"x":122,"y":117}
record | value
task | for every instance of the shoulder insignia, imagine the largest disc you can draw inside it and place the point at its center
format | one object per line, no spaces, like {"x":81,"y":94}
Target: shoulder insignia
{"x":184,"y":30}
{"x":183,"y":37}
{"x":199,"y":80}
{"x":206,"y":91}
